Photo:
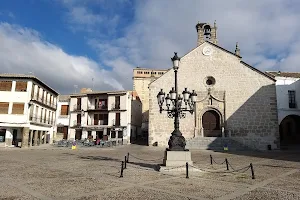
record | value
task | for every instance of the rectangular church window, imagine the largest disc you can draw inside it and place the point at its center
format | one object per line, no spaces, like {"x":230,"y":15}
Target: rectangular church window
{"x":292,"y":99}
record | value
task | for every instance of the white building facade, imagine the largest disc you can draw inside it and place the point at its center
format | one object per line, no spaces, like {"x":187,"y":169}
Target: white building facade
{"x":104,"y":115}
{"x":27,"y":111}
{"x":288,"y":105}
{"x":62,"y":118}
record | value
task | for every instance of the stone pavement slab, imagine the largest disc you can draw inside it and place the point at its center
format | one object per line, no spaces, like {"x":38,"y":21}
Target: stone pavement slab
{"x":94,"y":173}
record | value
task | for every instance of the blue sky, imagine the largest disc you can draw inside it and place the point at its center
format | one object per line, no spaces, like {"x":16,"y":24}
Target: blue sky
{"x":52,"y":19}
{"x":71,"y":42}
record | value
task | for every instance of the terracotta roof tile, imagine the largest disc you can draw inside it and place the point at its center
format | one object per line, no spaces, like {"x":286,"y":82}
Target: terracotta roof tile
{"x":284,"y":74}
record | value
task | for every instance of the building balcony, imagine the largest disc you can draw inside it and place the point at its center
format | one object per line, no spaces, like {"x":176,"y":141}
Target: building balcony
{"x":115,"y":106}
{"x":76,"y":108}
{"x":40,"y":120}
{"x":116,"y":122}
{"x":43,"y":101}
{"x":76,"y":124}
{"x":96,"y":108}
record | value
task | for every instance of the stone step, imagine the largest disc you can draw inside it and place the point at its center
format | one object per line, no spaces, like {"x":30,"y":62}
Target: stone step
{"x":214,"y":143}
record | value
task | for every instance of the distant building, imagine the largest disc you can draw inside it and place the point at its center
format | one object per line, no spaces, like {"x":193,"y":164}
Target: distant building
{"x":288,"y":106}
{"x":27,"y":111}
{"x":62,"y":117}
{"x":141,"y":79}
{"x":109,"y":115}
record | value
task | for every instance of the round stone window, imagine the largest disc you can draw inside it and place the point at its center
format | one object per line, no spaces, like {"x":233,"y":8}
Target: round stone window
{"x":210,"y":81}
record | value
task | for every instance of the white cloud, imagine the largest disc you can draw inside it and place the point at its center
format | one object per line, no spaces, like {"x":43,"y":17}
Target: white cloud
{"x":266,"y":31}
{"x":23,"y":51}
{"x":82,"y":16}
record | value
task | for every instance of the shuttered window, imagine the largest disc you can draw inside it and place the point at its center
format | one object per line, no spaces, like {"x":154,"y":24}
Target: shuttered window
{"x":18,"y":108}
{"x":5,"y":85}
{"x":21,"y":86}
{"x":64,"y":110}
{"x":4,"y":107}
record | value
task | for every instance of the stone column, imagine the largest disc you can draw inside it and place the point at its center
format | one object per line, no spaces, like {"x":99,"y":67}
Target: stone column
{"x":35,"y":138}
{"x":45,"y":137}
{"x":30,"y":138}
{"x":25,"y":135}
{"x":41,"y":134}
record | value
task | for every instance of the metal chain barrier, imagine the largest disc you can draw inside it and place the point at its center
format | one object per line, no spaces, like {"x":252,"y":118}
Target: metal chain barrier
{"x":223,"y":171}
{"x":218,"y":163}
{"x":240,"y":170}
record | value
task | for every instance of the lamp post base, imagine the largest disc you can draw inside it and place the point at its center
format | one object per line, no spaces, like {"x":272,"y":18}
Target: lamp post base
{"x":177,"y":142}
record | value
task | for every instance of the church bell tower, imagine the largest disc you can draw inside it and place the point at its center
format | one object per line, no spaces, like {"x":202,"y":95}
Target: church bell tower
{"x":206,"y":32}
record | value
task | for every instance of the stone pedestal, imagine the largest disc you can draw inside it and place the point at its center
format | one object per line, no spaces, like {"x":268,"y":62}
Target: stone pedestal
{"x":175,"y":162}
{"x":177,"y":158}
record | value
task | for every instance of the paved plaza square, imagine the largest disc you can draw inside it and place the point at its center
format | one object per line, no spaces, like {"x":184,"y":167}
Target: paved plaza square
{"x":94,"y":173}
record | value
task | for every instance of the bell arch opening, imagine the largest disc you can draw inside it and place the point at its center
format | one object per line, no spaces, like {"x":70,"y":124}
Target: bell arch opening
{"x":211,"y":124}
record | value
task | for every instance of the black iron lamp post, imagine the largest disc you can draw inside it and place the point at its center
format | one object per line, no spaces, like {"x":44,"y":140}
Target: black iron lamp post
{"x":176,"y":108}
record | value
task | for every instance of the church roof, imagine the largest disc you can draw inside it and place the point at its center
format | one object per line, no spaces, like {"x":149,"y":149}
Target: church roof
{"x":284,"y":74}
{"x":242,"y":62}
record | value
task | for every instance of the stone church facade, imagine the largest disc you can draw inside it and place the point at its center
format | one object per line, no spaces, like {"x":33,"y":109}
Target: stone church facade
{"x":235,"y":100}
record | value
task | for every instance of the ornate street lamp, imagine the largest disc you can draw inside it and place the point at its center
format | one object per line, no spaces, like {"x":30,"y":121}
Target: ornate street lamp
{"x":176,"y":106}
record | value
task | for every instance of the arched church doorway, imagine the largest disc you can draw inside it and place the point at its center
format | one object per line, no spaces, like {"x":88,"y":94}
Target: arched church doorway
{"x":289,"y":130}
{"x":211,"y":124}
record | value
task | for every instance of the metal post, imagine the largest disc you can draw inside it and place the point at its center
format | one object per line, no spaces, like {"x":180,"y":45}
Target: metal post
{"x":125,"y":162}
{"x":187,"y":169}
{"x":211,"y":159}
{"x":128,"y":157}
{"x":252,"y":171}
{"x":226,"y":163}
{"x":122,"y":165}
{"x":176,"y":117}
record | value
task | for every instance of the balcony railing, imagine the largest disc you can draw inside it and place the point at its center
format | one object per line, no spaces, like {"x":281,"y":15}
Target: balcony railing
{"x":100,"y":122}
{"x":116,"y":122}
{"x":115,"y":106}
{"x":76,"y":124}
{"x":40,"y":120}
{"x":43,"y":100}
{"x":92,"y":107}
{"x":77,"y":107}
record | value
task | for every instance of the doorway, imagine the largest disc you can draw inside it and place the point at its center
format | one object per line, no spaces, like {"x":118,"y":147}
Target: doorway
{"x":99,"y":134}
{"x":289,"y":130}
{"x":78,"y":134}
{"x":211,"y":124}
{"x":15,"y":137}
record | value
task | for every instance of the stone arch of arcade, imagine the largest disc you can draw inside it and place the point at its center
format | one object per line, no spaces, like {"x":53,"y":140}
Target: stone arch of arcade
{"x":289,"y":130}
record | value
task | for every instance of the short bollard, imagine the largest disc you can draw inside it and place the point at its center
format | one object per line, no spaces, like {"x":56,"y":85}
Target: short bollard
{"x":252,"y":171}
{"x":128,"y":157}
{"x":125,"y":162}
{"x":122,"y":165}
{"x":187,"y":169}
{"x":226,"y":161}
{"x":211,"y":159}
